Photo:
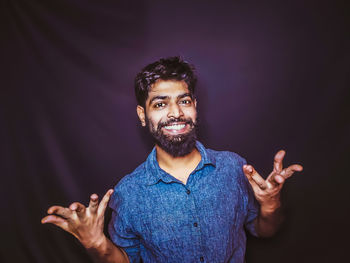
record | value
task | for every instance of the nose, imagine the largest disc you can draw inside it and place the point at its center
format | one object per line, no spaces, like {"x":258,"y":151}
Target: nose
{"x":175,"y":111}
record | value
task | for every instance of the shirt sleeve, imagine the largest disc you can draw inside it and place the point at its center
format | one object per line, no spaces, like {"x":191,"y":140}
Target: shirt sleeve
{"x":252,"y":205}
{"x":120,"y":229}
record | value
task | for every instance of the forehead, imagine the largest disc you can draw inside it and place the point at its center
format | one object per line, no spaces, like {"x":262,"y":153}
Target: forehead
{"x":170,"y":88}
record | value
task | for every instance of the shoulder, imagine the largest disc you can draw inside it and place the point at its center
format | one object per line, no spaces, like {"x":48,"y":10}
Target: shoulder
{"x":226,"y":157}
{"x":228,"y":165}
{"x":231,"y":164}
{"x":135,"y":178}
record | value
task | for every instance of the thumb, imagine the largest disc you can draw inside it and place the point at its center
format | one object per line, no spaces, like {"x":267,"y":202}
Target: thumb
{"x":103,"y":204}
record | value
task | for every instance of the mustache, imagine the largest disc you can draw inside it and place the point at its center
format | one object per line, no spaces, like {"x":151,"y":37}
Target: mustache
{"x":171,"y":121}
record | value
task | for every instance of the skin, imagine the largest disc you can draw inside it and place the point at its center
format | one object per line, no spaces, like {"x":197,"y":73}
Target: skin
{"x":267,"y":193}
{"x":168,"y":100}
{"x":86,"y":224}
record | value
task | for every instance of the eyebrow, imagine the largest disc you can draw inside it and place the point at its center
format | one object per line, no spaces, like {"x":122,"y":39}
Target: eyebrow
{"x":167,"y":97}
{"x":184,"y":95}
{"x":158,"y":98}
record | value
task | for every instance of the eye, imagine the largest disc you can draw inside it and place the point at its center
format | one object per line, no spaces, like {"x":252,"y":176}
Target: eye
{"x":186,"y":102}
{"x":159,"y":105}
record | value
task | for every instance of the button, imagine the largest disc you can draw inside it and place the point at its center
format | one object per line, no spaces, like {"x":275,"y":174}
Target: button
{"x":201,"y":259}
{"x":195,"y":224}
{"x":188,"y":192}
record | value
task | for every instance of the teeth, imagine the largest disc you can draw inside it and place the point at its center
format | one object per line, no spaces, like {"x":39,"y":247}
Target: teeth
{"x":175,"y":127}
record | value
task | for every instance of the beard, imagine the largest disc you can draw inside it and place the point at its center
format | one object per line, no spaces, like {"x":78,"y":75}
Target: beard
{"x":175,"y":145}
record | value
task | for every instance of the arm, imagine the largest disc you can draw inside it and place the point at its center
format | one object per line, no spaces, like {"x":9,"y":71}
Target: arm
{"x":86,"y":224}
{"x":267,"y":193}
{"x":106,"y":252}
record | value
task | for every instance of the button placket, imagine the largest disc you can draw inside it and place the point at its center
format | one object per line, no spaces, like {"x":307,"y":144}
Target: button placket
{"x":195,"y":222}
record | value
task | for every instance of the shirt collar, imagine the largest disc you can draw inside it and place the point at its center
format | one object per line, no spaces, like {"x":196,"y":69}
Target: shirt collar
{"x":156,"y":174}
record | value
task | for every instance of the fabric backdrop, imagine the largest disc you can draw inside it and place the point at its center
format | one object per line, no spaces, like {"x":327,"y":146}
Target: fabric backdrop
{"x":272,"y":75}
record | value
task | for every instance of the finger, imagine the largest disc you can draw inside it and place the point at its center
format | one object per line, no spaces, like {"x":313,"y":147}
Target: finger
{"x":61,"y":211}
{"x":253,"y":175}
{"x":279,"y":179}
{"x":277,"y":164}
{"x":275,"y":179}
{"x":93,"y":205}
{"x":290,"y":170}
{"x":78,"y":208}
{"x":56,"y":220}
{"x":248,"y":173}
{"x":103,"y":204}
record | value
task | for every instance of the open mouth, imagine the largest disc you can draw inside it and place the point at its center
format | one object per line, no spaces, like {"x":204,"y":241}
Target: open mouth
{"x":176,"y":128}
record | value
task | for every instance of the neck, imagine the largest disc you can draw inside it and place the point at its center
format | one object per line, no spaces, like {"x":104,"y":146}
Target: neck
{"x":167,"y":160}
{"x":179,"y":167}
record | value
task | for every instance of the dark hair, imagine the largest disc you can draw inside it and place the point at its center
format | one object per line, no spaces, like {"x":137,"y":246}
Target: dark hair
{"x":172,"y":68}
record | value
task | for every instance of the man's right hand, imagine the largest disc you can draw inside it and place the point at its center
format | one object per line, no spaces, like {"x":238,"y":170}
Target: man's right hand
{"x":85,"y":223}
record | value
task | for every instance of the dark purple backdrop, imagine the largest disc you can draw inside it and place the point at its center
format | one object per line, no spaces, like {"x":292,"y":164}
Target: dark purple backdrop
{"x":272,"y":75}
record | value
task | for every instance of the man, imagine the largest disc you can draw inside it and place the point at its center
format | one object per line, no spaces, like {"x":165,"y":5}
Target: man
{"x":185,"y":203}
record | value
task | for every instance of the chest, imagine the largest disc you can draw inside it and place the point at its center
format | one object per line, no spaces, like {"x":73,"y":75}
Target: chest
{"x":177,"y":212}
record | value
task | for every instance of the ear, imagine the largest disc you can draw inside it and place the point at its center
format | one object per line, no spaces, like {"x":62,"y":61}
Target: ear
{"x":141,"y":113}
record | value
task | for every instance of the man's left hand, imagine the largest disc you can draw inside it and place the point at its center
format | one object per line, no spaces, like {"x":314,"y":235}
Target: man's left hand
{"x":267,"y":192}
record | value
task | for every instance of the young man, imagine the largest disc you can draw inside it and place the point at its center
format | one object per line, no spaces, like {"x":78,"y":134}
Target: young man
{"x":185,"y":203}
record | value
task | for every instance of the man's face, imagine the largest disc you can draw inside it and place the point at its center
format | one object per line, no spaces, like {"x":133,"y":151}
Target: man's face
{"x":171,"y":116}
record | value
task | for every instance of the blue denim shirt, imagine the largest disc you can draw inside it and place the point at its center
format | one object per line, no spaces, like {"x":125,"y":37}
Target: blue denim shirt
{"x":157,"y":218}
